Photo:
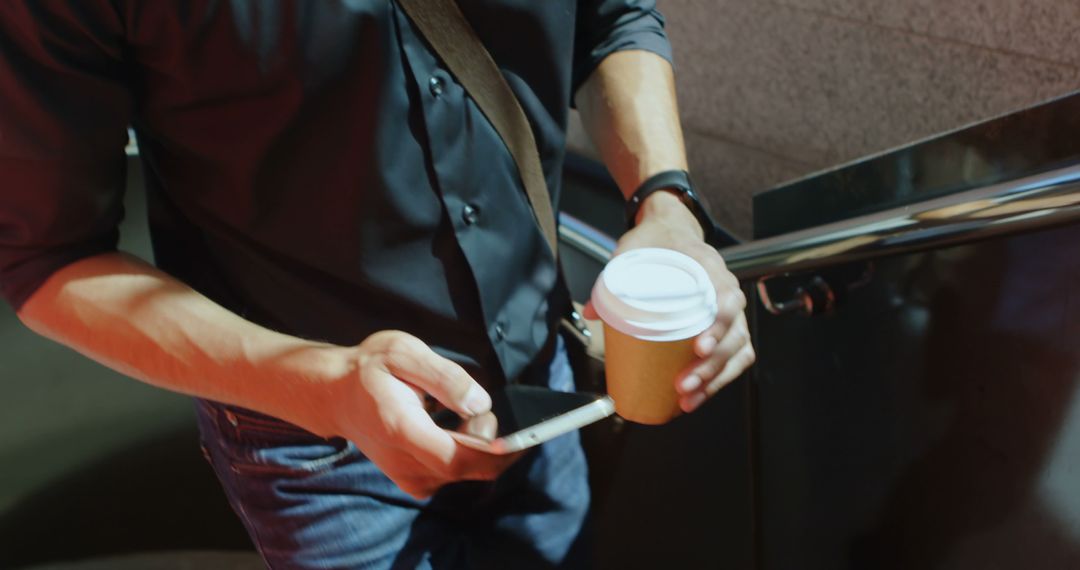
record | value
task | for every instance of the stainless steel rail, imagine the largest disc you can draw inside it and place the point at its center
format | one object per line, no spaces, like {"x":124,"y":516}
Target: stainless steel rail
{"x":584,"y":238}
{"x":1016,"y":206}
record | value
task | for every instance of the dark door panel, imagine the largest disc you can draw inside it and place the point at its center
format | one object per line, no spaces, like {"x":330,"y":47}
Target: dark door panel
{"x":931,"y":421}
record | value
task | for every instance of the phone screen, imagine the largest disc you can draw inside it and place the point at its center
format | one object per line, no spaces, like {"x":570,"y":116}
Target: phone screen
{"x":515,"y":407}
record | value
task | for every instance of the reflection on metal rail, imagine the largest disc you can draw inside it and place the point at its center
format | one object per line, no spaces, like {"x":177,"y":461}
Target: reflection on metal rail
{"x":1016,"y":206}
{"x":585,"y":238}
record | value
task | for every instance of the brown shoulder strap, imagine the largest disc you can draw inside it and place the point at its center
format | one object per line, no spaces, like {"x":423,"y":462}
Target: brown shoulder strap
{"x":453,"y":38}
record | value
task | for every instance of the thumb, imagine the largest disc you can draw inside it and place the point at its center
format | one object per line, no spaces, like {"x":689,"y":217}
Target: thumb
{"x":411,"y":360}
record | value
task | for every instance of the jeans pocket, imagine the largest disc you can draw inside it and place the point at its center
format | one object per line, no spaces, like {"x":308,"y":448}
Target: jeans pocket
{"x":259,"y":444}
{"x":260,"y":426}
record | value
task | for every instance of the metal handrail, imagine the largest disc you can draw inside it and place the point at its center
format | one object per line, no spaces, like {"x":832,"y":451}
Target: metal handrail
{"x":1022,"y":205}
{"x":1016,"y":206}
{"x":585,"y":238}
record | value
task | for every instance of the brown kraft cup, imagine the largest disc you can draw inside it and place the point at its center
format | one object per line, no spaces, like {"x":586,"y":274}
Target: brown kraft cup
{"x":653,"y":302}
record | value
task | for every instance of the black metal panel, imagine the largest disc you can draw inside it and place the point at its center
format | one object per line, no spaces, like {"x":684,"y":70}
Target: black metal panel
{"x":1027,"y":142}
{"x":932,"y":421}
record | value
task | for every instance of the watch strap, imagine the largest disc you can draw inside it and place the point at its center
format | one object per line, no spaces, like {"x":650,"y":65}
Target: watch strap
{"x":677,"y":181}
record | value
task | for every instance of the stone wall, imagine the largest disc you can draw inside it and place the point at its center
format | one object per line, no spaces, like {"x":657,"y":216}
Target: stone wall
{"x":772,"y":90}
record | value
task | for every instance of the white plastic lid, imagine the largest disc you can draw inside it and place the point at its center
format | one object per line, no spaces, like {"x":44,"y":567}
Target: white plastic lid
{"x":655,"y":294}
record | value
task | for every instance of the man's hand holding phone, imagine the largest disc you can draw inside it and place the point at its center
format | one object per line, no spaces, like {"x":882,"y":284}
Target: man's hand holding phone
{"x":379,"y":406}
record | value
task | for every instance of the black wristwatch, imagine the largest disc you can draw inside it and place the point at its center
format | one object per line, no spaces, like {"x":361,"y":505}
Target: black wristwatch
{"x":677,"y":181}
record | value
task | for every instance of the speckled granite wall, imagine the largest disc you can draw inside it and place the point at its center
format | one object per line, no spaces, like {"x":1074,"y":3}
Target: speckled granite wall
{"x":772,"y":90}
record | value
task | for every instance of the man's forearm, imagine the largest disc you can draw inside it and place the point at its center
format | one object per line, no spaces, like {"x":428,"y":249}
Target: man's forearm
{"x":138,"y":320}
{"x":629,"y":110}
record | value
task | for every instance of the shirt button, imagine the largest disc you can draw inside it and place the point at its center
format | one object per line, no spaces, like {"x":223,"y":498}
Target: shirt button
{"x":436,"y":85}
{"x":470,"y":214}
{"x":500,"y":333}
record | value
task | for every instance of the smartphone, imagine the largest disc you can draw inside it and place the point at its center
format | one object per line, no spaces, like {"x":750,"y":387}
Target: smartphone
{"x":523,"y":416}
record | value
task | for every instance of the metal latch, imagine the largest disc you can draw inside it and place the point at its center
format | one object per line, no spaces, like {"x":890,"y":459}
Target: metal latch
{"x":817,"y":295}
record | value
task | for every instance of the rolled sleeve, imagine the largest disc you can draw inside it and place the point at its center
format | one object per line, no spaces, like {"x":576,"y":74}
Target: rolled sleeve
{"x":64,"y":110}
{"x":607,"y":26}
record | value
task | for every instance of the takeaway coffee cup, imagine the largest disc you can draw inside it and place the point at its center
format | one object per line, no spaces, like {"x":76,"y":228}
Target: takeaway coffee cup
{"x":653,"y":303}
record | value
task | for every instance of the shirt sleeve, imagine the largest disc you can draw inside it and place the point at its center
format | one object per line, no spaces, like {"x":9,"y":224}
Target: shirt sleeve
{"x":607,"y":26}
{"x":64,"y":110}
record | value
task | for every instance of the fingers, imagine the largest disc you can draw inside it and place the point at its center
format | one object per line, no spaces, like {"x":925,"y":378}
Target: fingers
{"x":408,"y":358}
{"x":412,"y":432}
{"x":484,"y":426}
{"x":722,"y":361}
{"x":729,"y":313}
{"x":734,"y":368}
{"x":397,"y":372}
{"x":439,"y":453}
{"x":406,"y":425}
{"x":693,"y":387}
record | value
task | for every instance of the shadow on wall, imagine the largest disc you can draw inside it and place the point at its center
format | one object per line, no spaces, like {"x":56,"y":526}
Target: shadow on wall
{"x":93,"y":463}
{"x":156,"y":494}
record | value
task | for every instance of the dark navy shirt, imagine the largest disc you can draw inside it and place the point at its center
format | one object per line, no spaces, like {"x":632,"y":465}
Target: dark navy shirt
{"x":311,"y":165}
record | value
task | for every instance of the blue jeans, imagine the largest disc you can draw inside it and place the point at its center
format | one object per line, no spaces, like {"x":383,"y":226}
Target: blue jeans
{"x":310,"y":502}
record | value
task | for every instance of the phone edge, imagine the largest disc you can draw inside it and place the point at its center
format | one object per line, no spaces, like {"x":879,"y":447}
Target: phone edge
{"x":545,"y":431}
